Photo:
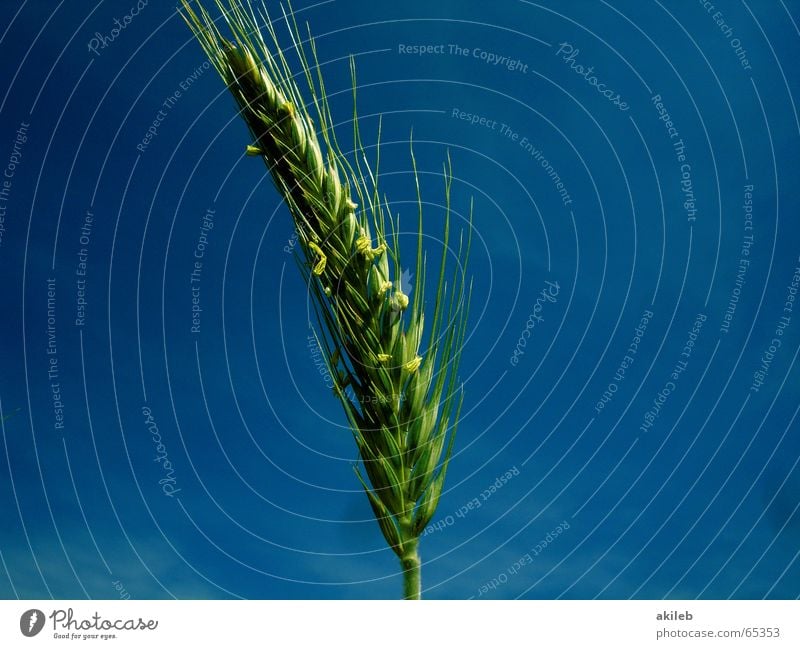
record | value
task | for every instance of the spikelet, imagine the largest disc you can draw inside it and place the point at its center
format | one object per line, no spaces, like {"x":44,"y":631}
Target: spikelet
{"x":402,"y":411}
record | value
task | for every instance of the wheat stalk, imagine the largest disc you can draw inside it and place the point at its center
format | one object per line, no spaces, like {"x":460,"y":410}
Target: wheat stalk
{"x":402,"y":401}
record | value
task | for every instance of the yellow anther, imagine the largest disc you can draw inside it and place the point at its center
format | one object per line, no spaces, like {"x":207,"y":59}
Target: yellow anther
{"x":363,"y":244}
{"x":253,"y":150}
{"x":376,"y":252}
{"x":401,"y":300}
{"x":385,"y":286}
{"x":384,"y":358}
{"x":349,"y":203}
{"x":413,"y":365}
{"x":319,"y":267}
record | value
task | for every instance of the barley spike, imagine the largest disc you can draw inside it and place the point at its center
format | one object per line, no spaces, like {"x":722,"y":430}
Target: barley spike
{"x":399,"y":389}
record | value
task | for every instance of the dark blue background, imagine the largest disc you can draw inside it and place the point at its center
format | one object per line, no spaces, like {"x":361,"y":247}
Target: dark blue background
{"x":703,"y":504}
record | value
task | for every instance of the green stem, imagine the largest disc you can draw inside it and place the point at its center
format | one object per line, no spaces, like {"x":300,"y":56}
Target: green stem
{"x":412,"y":580}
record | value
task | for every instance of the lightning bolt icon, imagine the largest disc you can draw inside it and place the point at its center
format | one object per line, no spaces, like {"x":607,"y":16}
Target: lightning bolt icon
{"x":32,"y":620}
{"x":405,"y":281}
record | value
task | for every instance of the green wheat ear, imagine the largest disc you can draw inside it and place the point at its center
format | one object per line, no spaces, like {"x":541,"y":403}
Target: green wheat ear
{"x":403,"y":402}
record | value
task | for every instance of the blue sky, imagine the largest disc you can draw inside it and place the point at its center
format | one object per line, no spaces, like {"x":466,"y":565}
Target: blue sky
{"x":259,"y":498}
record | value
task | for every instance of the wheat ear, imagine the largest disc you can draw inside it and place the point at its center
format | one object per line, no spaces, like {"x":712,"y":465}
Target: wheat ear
{"x":402,"y":409}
